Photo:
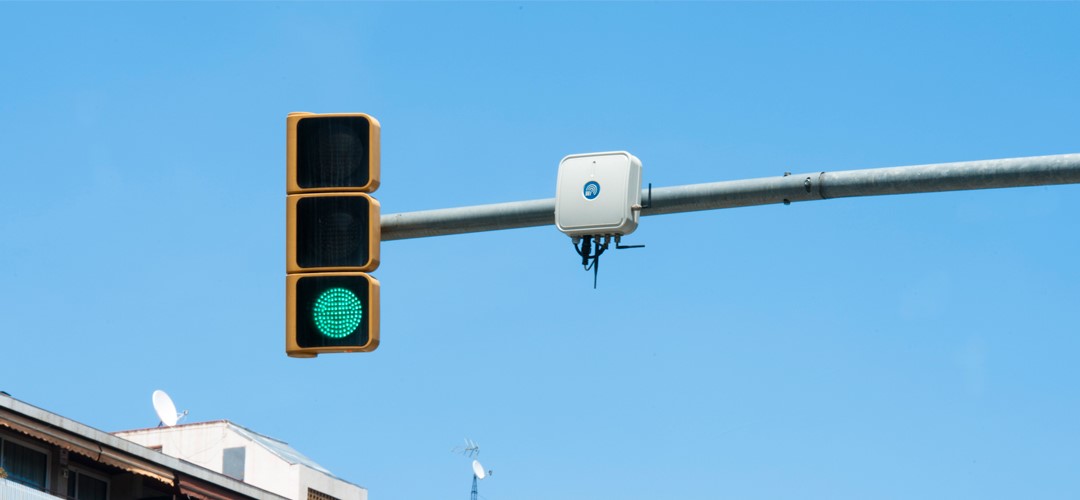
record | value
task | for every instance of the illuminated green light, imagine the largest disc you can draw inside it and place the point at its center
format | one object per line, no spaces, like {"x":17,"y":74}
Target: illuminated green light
{"x":337,"y":313}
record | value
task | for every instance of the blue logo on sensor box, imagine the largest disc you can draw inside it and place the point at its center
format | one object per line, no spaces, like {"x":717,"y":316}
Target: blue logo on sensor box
{"x":592,"y":190}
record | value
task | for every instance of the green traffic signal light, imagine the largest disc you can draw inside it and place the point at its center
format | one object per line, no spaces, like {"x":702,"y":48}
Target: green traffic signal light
{"x":337,"y":312}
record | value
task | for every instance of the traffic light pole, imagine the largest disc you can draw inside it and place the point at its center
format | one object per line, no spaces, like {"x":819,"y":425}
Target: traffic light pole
{"x":984,"y":174}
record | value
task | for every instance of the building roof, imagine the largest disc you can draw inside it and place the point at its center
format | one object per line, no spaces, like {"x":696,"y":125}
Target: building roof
{"x":118,"y":452}
{"x":278,"y":447}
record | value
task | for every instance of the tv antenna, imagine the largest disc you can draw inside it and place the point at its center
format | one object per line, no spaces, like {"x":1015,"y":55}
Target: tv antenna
{"x":478,"y":473}
{"x":165,"y":409}
{"x":472,"y":450}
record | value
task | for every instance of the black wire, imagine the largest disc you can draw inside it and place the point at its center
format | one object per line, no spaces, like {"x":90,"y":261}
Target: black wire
{"x":578,"y":250}
{"x":600,"y":248}
{"x":595,"y":269}
{"x":586,"y":253}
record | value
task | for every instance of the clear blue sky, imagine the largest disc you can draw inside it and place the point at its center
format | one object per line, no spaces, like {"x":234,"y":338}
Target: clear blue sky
{"x":920,"y":346}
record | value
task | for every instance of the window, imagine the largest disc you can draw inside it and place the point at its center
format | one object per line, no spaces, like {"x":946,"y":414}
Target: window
{"x":232,"y":462}
{"x":24,"y":465}
{"x":83,"y":486}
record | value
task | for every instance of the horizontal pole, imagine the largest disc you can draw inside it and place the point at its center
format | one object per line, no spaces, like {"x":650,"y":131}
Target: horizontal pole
{"x":468,"y":219}
{"x":959,"y":176}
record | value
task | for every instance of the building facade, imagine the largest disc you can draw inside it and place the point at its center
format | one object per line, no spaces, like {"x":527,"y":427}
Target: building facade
{"x":44,"y":456}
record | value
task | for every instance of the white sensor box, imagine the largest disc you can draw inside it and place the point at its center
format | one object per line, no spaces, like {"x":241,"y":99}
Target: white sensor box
{"x":598,"y":194}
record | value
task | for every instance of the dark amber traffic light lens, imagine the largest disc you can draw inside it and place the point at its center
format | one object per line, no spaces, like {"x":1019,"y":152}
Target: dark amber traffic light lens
{"x":333,"y":231}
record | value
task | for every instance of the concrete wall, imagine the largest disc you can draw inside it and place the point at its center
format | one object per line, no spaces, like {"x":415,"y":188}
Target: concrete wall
{"x":268,"y":471}
{"x":10,"y":490}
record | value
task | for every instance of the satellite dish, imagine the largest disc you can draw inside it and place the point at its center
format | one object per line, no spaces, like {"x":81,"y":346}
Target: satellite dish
{"x":478,"y":470}
{"x":166,"y":410}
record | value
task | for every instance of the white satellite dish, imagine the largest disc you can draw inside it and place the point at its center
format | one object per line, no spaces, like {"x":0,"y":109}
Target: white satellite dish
{"x":166,"y":410}
{"x":478,"y":470}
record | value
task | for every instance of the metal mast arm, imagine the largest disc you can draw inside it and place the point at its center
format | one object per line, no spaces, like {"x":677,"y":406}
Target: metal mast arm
{"x":983,"y":174}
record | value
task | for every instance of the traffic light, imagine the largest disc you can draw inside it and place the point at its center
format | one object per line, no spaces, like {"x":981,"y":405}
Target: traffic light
{"x":332,"y":234}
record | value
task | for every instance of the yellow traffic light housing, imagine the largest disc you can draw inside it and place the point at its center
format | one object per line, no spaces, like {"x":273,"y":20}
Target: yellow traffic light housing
{"x":332,"y":234}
